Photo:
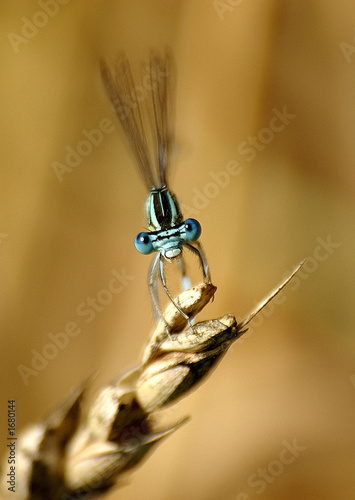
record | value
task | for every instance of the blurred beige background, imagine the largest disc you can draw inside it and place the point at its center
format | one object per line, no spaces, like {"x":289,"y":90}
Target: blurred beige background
{"x":293,"y":378}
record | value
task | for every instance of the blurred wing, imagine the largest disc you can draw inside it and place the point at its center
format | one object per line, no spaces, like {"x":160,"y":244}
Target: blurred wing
{"x":122,"y":93}
{"x":160,"y":74}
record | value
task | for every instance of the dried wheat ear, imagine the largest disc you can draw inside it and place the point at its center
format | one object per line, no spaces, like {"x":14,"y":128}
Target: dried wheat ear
{"x":74,"y":456}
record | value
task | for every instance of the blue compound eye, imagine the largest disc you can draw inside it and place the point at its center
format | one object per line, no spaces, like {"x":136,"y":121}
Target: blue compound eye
{"x":192,"y":229}
{"x":143,"y":243}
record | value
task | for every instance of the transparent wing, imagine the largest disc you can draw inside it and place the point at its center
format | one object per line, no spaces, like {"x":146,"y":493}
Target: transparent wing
{"x":122,"y":93}
{"x":160,"y":75}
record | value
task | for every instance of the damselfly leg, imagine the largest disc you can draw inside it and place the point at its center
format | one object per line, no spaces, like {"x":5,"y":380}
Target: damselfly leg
{"x":185,"y":280}
{"x":157,"y":270}
{"x":197,"y":249}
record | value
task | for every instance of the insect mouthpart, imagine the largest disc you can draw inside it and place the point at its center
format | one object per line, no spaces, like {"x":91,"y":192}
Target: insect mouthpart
{"x":171,"y":253}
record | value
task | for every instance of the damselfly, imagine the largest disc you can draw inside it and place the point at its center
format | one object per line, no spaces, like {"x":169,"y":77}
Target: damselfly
{"x":168,"y":231}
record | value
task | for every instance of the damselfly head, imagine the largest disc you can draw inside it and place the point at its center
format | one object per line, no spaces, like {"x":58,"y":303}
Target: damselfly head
{"x":169,"y":241}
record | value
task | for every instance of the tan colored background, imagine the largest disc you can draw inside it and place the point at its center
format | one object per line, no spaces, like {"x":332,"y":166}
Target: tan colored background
{"x":294,"y":377}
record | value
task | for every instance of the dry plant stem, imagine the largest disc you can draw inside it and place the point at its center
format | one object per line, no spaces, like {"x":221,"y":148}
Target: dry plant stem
{"x":191,"y":301}
{"x":72,"y":456}
{"x":271,"y":295}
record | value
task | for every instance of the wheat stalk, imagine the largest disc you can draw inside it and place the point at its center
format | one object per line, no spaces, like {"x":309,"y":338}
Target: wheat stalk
{"x":69,"y":456}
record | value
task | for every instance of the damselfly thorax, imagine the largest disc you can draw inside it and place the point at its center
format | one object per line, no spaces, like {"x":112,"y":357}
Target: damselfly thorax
{"x":168,"y":233}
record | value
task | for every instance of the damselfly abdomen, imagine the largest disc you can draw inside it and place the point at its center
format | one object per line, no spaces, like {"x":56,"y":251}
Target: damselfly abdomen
{"x":167,"y":231}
